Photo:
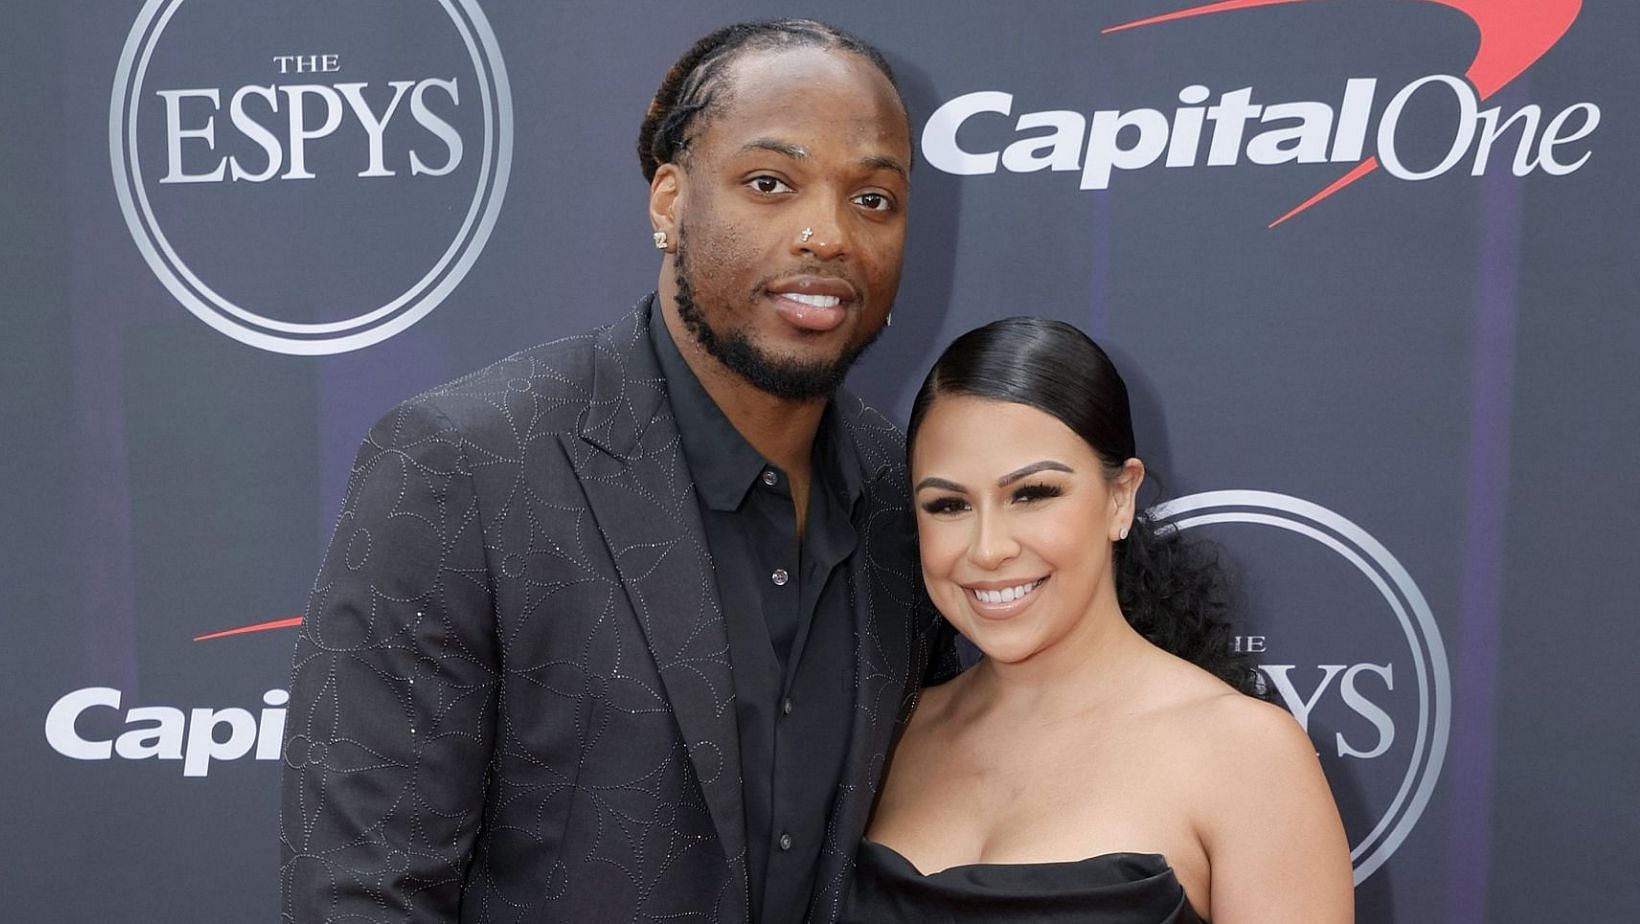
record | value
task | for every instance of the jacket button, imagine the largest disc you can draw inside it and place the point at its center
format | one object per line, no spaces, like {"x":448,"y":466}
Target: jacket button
{"x":786,"y":706}
{"x":785,"y":842}
{"x":779,"y":577}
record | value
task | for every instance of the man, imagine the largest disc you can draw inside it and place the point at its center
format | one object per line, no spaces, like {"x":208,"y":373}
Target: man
{"x":619,"y":629}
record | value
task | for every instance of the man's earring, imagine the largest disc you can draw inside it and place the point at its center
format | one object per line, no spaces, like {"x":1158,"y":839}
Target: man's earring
{"x":660,"y":240}
{"x":889,"y":321}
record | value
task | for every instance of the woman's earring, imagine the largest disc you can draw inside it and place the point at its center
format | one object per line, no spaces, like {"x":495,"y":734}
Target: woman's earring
{"x":1122,"y":535}
{"x":889,"y":321}
{"x":660,"y":240}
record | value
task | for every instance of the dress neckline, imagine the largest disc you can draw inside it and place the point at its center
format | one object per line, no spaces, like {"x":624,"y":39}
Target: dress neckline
{"x":1157,"y":860}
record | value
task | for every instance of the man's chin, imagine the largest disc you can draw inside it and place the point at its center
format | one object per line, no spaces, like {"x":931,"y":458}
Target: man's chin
{"x":793,"y":378}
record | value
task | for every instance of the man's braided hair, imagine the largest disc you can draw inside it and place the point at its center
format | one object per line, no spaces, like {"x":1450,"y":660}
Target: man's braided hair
{"x":696,"y":82}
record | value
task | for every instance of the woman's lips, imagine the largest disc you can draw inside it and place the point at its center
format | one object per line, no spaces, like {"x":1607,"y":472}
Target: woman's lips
{"x":998,"y":602}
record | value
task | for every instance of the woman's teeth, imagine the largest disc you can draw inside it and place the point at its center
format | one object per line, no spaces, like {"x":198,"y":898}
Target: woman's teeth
{"x":816,"y":301}
{"x":1006,"y":594}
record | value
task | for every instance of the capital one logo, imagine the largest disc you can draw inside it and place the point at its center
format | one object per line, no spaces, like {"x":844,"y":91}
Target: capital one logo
{"x":1349,"y":645}
{"x":302,"y":177}
{"x":196,"y":736}
{"x":1241,"y":125}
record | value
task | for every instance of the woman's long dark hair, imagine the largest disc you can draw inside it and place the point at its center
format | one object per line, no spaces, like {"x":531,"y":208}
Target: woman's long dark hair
{"x":1173,"y":592}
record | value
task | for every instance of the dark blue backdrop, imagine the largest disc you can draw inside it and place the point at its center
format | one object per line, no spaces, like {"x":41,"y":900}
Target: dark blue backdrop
{"x":1419,"y":394}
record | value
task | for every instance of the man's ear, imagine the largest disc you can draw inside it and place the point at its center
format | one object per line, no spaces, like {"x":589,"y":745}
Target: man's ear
{"x":665,"y":191}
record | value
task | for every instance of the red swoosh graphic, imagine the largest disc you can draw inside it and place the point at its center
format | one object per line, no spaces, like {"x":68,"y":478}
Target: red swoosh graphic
{"x":256,"y":627}
{"x":1514,"y":34}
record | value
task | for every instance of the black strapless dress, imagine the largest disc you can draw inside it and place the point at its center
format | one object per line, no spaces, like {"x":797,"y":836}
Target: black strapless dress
{"x":1115,"y":888}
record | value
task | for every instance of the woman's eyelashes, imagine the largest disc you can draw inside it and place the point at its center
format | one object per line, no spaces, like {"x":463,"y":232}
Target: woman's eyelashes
{"x":1028,"y":493}
{"x":1024,"y":494}
{"x":948,"y":503}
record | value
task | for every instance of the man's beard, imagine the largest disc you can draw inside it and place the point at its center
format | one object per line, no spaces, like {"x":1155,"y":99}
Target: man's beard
{"x":793,"y":379}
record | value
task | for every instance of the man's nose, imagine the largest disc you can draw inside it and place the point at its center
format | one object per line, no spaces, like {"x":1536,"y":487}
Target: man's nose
{"x":824,"y":233}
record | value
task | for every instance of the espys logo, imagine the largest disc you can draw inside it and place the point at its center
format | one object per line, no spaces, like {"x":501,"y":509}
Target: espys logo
{"x":1349,"y":644}
{"x":1514,"y":35}
{"x":296,"y":180}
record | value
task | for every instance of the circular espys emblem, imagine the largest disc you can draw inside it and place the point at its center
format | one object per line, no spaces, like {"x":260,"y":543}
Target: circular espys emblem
{"x":1348,"y":642}
{"x":310,"y":178}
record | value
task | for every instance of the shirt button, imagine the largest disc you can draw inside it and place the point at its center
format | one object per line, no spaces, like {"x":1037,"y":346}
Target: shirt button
{"x":779,"y":577}
{"x":769,"y":478}
{"x":785,"y":842}
{"x":786,"y":706}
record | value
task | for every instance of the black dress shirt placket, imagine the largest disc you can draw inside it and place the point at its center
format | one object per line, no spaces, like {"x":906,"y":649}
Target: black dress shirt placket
{"x":790,"y":621}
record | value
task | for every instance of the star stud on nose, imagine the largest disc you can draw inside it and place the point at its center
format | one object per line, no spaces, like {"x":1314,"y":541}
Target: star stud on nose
{"x":807,"y":233}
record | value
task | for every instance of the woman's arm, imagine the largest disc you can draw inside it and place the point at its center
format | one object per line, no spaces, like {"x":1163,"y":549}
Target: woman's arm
{"x":1275,"y":844}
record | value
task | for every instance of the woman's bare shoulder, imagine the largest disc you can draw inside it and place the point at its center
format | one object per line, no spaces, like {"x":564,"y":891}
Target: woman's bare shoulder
{"x":1232,"y":740}
{"x":1253,"y":732}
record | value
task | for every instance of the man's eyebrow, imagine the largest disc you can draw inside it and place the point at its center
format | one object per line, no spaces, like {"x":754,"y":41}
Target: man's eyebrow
{"x":794,"y":151}
{"x":884,"y":162}
{"x":798,"y":152}
{"x":1046,"y":465}
{"x":941,"y":483}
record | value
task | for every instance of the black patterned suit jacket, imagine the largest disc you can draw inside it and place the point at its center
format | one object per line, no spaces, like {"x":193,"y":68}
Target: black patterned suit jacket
{"x":511,"y":697}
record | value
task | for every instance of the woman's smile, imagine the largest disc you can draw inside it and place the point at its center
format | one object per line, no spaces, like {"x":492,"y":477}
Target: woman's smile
{"x":995,"y":600}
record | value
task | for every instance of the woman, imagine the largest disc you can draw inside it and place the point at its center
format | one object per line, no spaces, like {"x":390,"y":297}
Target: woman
{"x":1109,"y":759}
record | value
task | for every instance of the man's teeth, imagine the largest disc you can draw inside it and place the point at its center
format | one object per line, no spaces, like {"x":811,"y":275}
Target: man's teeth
{"x":1005,"y":595}
{"x":817,"y":301}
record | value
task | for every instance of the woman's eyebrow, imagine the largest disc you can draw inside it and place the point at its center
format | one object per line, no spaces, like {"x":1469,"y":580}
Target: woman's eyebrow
{"x":1046,"y":465}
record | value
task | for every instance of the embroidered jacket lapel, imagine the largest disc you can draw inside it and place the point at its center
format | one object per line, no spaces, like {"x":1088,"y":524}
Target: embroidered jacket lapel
{"x":630,"y":464}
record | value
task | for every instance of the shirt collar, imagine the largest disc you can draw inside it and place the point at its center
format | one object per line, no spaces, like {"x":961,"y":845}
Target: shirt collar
{"x":721,"y":462}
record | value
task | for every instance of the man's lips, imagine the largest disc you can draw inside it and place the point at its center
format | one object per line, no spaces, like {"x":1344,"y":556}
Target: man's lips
{"x":838,"y":288}
{"x":815,"y":303}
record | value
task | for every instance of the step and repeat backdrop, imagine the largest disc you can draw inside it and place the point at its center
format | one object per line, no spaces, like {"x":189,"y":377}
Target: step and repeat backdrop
{"x":1369,"y":267}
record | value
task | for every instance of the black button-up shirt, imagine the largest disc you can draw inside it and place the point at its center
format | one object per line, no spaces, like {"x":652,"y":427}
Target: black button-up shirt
{"x":786,"y":602}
